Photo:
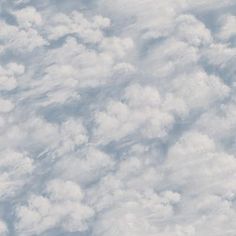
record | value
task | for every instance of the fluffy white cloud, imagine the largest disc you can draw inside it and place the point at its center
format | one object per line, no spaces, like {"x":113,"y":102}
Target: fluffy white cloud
{"x":141,"y":112}
{"x":15,"y":39}
{"x":80,"y":67}
{"x":204,"y":173}
{"x":28,"y":17}
{"x":199,"y":89}
{"x":33,"y":132}
{"x":5,"y":105}
{"x":220,"y":55}
{"x":89,"y":31}
{"x":38,"y":135}
{"x":86,"y":68}
{"x":62,"y":206}
{"x":167,"y":59}
{"x":86,"y":166}
{"x":144,"y":111}
{"x":15,"y":168}
{"x":8,"y":76}
{"x":191,"y":30}
{"x":138,"y":215}
{"x":72,"y":134}
{"x":219,"y":123}
{"x":195,"y":160}
{"x":227,"y":29}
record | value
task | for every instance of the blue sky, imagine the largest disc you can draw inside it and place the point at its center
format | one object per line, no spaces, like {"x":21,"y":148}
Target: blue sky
{"x":117,"y":118}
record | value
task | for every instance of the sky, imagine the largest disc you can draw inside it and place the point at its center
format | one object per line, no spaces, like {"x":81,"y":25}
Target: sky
{"x":117,"y":118}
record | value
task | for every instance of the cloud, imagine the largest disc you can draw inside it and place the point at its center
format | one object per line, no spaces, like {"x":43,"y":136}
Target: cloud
{"x":3,"y":229}
{"x":73,"y":134}
{"x":62,"y":206}
{"x":192,"y":30}
{"x":9,"y":76}
{"x":125,"y":118}
{"x":87,"y":166}
{"x":199,"y":89}
{"x":227,"y":29}
{"x":117,"y":117}
{"x":61,"y":81}
{"x":15,"y":169}
{"x":137,"y":215}
{"x":88,"y":31}
{"x":199,"y":151}
{"x":15,"y":39}
{"x":40,"y":136}
{"x":6,"y":105}
{"x":219,"y":124}
{"x":28,"y":17}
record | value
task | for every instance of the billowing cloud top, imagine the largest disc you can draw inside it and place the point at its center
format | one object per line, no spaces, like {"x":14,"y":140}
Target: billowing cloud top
{"x":118,"y":118}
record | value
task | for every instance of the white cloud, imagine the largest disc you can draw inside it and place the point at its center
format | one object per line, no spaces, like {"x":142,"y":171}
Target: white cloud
{"x":8,"y":76}
{"x":143,"y":111}
{"x":86,"y":166}
{"x":16,"y":69}
{"x":15,"y":168}
{"x":19,"y":40}
{"x":195,"y":162}
{"x":219,"y":123}
{"x":28,"y":17}
{"x":2,"y":122}
{"x":38,"y":135}
{"x":191,"y":30}
{"x":86,"y":68}
{"x":227,"y":29}
{"x":116,"y":46}
{"x":5,"y":105}
{"x":3,"y":228}
{"x":220,"y":55}
{"x":72,"y":134}
{"x":88,"y":31}
{"x":199,"y":89}
{"x":7,"y":83}
{"x":145,"y":14}
{"x":62,"y":207}
{"x":34,"y":132}
{"x":222,"y":58}
{"x":134,"y":217}
{"x":167,"y":59}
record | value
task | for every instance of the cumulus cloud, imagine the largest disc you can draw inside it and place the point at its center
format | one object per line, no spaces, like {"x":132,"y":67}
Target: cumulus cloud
{"x":6,"y":105}
{"x":199,"y":89}
{"x":15,"y":168}
{"x":86,"y":166}
{"x":198,"y":167}
{"x":9,"y":76}
{"x":227,"y":29}
{"x":200,"y":151}
{"x":141,"y":108}
{"x":62,"y":207}
{"x":28,"y":17}
{"x":76,"y":23}
{"x":138,"y":215}
{"x":15,"y":39}
{"x":117,"y":118}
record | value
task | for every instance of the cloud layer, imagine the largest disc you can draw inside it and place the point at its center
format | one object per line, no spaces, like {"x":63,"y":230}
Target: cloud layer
{"x":117,"y":118}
